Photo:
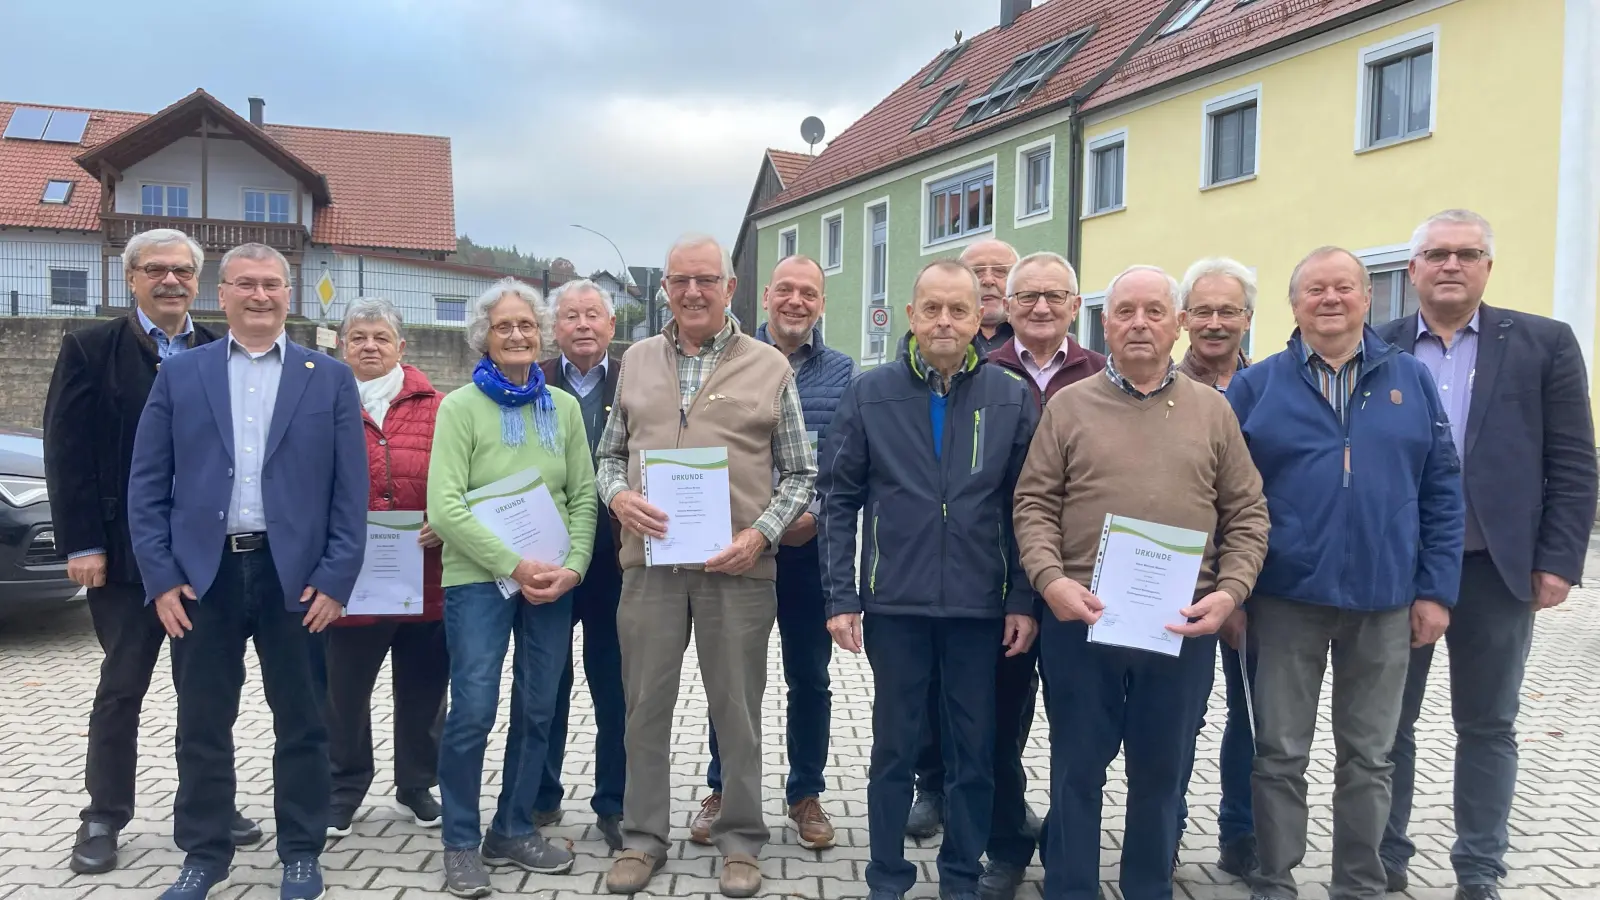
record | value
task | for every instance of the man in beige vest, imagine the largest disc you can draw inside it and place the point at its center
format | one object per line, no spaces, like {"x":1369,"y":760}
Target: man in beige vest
{"x":701,"y":383}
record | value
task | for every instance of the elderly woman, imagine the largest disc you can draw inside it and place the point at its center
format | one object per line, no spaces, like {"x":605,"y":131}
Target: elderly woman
{"x":505,"y":422}
{"x":399,"y":406}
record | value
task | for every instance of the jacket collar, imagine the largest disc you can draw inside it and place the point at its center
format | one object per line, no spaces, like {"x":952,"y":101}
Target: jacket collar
{"x":1197,"y":369}
{"x":1374,"y":350}
{"x":1009,"y":355}
{"x":812,"y":348}
{"x":911,"y":356}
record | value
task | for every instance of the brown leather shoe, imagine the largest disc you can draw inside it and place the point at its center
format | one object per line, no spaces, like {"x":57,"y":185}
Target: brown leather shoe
{"x":632,"y":871}
{"x":700,"y":828}
{"x":816,"y":832}
{"x":741,"y":875}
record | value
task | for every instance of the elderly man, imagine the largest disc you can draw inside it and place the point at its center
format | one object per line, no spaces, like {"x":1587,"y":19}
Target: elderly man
{"x":930,"y":446}
{"x":1215,"y":304}
{"x":991,"y":261}
{"x":1146,"y":442}
{"x":250,"y":476}
{"x":1530,"y":500}
{"x":794,"y":302}
{"x":101,"y":380}
{"x":701,"y":383}
{"x":1043,"y":293}
{"x":1364,"y":487}
{"x":585,"y":324}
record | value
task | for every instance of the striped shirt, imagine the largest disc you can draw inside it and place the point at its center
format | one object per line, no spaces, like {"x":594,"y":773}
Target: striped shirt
{"x":1337,"y":387}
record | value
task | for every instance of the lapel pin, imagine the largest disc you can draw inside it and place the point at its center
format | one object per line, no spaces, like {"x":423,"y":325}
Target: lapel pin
{"x":310,"y":364}
{"x":1394,"y":397}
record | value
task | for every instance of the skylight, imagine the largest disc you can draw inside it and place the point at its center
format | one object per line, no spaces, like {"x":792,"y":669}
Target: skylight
{"x":1185,"y":17}
{"x":945,"y":96}
{"x":1027,"y":72}
{"x":943,"y":65}
{"x":56,"y":191}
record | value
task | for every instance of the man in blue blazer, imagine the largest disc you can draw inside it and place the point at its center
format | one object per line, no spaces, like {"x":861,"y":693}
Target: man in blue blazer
{"x":247,"y":507}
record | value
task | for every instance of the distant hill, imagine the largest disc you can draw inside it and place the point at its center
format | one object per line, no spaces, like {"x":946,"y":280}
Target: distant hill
{"x":507,"y":258}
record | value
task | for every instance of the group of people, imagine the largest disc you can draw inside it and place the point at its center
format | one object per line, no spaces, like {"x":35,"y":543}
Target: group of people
{"x":1355,"y":507}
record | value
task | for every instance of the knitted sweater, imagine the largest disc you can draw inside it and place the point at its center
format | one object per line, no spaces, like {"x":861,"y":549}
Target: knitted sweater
{"x":1176,"y":458}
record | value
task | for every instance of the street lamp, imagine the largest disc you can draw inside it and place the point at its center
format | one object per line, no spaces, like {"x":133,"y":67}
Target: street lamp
{"x":648,"y":300}
{"x":624,"y":273}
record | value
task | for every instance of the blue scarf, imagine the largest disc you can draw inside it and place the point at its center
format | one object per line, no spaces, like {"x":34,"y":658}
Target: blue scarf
{"x":511,"y":398}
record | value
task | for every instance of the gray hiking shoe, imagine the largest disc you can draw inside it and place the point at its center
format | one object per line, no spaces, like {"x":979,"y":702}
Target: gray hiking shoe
{"x":464,"y":875}
{"x":531,"y":853}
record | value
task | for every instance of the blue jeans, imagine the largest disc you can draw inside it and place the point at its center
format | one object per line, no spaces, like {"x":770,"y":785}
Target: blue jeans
{"x":1234,"y":818}
{"x":479,"y":624}
{"x":807,"y":650}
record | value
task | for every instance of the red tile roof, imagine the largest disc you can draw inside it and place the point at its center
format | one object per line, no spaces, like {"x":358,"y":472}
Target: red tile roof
{"x":882,"y":139}
{"x":1225,"y":32}
{"x":788,"y":164}
{"x":389,"y":190}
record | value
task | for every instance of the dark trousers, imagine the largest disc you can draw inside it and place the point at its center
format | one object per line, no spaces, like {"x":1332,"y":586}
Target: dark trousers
{"x":130,"y":635}
{"x":807,"y":650}
{"x":1103,"y":698}
{"x":419,"y":670}
{"x":904,"y":652}
{"x":594,"y":603}
{"x":1016,"y":687}
{"x":246,"y":602}
{"x":480,"y":624}
{"x":1234,"y":818}
{"x":1014,"y":679}
{"x":1490,"y":634}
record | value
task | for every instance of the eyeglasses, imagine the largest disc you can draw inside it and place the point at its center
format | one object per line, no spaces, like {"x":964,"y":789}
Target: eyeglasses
{"x":1225,"y":313}
{"x":158,"y":272}
{"x":247,"y":286}
{"x":1031,"y":298}
{"x":1469,"y":256}
{"x":680,"y":283}
{"x":505,"y":329}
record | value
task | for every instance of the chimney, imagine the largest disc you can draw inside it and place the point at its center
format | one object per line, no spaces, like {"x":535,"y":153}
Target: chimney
{"x":1011,"y":10}
{"x":257,"y":106}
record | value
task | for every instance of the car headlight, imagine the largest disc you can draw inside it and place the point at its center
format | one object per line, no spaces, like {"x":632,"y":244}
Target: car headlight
{"x":20,"y":491}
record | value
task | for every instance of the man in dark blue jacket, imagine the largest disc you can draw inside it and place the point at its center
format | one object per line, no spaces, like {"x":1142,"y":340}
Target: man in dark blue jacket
{"x":794,"y":301}
{"x":930,"y":446}
{"x":1364,"y":488}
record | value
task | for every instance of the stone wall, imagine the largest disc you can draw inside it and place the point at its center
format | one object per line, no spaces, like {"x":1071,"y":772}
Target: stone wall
{"x":28,"y":349}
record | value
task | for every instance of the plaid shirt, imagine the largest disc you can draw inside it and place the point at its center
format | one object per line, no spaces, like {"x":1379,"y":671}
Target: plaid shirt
{"x":1337,"y":387}
{"x":1127,"y":386}
{"x":791,"y":449}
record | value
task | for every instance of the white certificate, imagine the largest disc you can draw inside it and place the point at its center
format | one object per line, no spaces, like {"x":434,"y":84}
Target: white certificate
{"x":390,"y":583}
{"x":520,"y":511}
{"x":1145,"y":572}
{"x":691,"y":487}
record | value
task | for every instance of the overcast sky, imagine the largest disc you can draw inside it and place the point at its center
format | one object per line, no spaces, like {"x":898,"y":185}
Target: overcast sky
{"x":641,"y":119}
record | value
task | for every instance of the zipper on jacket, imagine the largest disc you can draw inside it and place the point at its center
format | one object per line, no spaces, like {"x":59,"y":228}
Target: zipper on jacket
{"x":977,"y":435}
{"x":872,"y":577}
{"x":1005,"y":562}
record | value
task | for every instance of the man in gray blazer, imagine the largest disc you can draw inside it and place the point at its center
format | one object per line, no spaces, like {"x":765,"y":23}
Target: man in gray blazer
{"x":1516,"y":392}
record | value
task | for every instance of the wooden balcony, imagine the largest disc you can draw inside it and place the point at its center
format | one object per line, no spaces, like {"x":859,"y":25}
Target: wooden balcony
{"x":214,"y":235}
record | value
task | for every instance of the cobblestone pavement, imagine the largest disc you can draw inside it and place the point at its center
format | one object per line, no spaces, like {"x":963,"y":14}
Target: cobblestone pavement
{"x":48,"y":668}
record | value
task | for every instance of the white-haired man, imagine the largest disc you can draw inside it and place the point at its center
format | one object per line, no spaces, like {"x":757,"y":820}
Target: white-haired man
{"x":98,"y":390}
{"x":1145,"y":442}
{"x":701,"y":383}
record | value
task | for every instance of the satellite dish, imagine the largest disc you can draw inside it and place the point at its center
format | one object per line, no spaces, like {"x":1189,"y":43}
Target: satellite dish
{"x":812,"y":131}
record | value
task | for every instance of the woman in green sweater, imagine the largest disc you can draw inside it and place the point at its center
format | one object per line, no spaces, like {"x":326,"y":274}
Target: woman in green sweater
{"x":506,"y":422}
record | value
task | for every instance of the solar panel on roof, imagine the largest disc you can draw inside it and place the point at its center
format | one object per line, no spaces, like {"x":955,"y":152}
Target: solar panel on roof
{"x":66,"y":127}
{"x":27,"y":123}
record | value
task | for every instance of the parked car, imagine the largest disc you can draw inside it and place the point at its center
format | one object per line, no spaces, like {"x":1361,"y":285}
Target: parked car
{"x":33,"y":573}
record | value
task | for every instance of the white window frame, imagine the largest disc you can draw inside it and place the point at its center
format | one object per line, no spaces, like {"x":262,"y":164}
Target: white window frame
{"x":1096,"y":300}
{"x":1218,"y":106}
{"x":793,"y":231}
{"x":449,"y":298}
{"x":80,"y":271}
{"x":1387,"y":258}
{"x":244,"y":204}
{"x":869,"y":359}
{"x":1185,"y":17}
{"x":1382,"y":52}
{"x":44,"y":196}
{"x":970,"y":167}
{"x":165,"y":209}
{"x":1022,"y":218}
{"x":1091,"y":177}
{"x":831,"y":266}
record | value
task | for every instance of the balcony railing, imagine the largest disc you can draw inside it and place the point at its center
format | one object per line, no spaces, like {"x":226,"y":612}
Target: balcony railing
{"x":214,"y":235}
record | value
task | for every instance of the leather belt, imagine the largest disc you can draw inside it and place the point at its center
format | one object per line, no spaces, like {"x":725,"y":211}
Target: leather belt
{"x":248,"y":542}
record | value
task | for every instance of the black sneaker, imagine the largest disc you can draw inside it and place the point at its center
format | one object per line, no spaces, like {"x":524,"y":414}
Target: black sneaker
{"x":464,"y":875}
{"x":1478,"y":892}
{"x":419,"y":802}
{"x":611,"y":829}
{"x":95,"y":852}
{"x":1000,"y":880}
{"x":243,"y":831}
{"x":1238,"y":857}
{"x":1395,"y":880}
{"x":341,"y":820}
{"x":927,"y":815}
{"x":531,"y":853}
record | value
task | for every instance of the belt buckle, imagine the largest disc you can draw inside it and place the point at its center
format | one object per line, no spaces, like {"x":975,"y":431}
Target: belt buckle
{"x":251,"y":542}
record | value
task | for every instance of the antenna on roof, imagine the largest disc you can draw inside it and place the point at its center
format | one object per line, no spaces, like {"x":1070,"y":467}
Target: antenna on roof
{"x":812,"y":131}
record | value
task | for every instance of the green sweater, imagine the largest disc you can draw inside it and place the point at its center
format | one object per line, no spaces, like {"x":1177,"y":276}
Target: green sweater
{"x":468,"y":454}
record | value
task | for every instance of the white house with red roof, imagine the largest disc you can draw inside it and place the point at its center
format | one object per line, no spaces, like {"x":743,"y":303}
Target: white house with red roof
{"x":356,"y":213}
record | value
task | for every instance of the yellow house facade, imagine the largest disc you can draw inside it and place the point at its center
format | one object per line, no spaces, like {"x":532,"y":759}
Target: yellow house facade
{"x":1352,"y":137}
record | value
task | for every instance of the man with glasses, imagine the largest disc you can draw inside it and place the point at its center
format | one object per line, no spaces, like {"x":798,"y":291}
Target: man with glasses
{"x":101,"y":380}
{"x":1514,"y":388}
{"x":701,"y":383}
{"x":1215,"y":304}
{"x":1043,"y":293}
{"x":991,"y":261}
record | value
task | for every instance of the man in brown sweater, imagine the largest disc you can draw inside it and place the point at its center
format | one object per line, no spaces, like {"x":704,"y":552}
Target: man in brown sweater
{"x":1142,"y":441}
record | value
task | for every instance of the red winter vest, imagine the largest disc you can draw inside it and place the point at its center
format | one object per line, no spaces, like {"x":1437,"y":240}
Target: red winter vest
{"x":397,"y":462}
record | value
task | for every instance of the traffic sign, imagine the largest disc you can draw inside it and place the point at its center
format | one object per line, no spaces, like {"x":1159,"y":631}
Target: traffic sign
{"x":878,"y":321}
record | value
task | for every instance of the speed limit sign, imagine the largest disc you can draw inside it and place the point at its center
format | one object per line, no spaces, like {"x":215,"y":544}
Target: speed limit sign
{"x":880,"y":319}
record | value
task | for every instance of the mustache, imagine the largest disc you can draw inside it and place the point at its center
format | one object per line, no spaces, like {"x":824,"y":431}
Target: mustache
{"x":1215,"y":334}
{"x":171,"y":292}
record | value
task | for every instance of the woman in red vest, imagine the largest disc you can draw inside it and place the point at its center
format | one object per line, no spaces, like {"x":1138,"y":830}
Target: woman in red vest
{"x":399,"y":406}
